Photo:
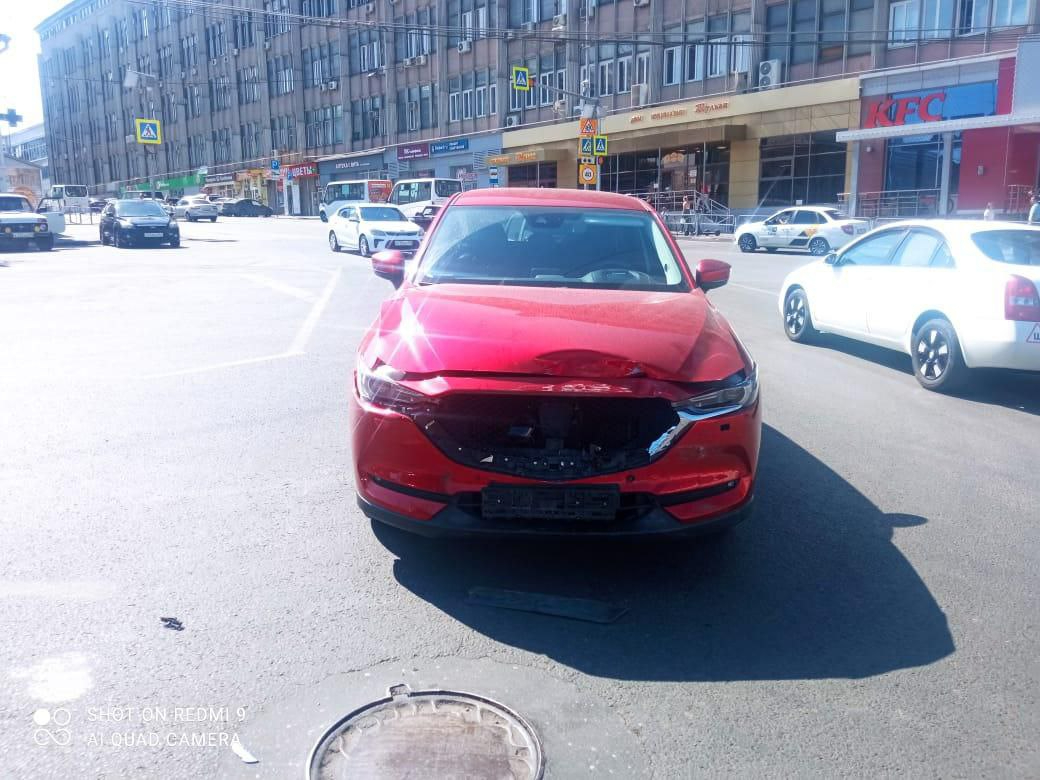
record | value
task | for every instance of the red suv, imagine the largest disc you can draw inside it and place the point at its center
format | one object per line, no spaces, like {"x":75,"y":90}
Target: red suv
{"x":549,"y":365}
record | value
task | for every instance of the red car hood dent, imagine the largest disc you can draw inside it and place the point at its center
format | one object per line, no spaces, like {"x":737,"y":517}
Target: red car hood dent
{"x":558,"y":332}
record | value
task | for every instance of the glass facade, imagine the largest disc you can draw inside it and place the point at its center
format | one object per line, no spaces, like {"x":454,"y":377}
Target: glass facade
{"x":801,"y":169}
{"x":702,"y":168}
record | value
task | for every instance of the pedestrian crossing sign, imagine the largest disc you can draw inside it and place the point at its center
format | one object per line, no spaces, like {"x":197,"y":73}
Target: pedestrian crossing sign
{"x":149,"y":131}
{"x":521,"y":78}
{"x":588,"y":126}
{"x":585,"y":146}
{"x":600,"y":142}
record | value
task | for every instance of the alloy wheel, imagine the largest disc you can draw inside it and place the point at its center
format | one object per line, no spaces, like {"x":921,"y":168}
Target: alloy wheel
{"x":363,"y":246}
{"x":794,"y":315}
{"x":747,"y":243}
{"x":933,"y":354}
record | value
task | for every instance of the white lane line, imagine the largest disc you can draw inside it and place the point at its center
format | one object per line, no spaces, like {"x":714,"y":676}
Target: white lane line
{"x":770,"y":293}
{"x":303,"y":336}
{"x":219,"y":366}
{"x":285,"y":289}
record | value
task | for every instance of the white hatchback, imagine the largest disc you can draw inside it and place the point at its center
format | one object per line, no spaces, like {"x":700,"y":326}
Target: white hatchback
{"x":953,"y":294}
{"x":814,"y":228}
{"x":372,"y":227}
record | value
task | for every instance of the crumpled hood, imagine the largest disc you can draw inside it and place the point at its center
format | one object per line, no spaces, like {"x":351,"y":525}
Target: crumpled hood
{"x":551,"y":331}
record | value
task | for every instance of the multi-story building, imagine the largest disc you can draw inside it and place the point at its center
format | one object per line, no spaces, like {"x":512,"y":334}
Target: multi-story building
{"x":30,"y":145}
{"x":743,"y":101}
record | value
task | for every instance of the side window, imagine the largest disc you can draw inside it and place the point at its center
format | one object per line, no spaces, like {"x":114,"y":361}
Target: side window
{"x":942,"y":257}
{"x":422,"y":190}
{"x":395,"y":196}
{"x":807,"y":218}
{"x":917,"y":250}
{"x":182,"y":202}
{"x":782,"y":218}
{"x":876,"y":250}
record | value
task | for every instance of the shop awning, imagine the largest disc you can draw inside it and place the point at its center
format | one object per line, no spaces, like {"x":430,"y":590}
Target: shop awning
{"x":944,"y":126}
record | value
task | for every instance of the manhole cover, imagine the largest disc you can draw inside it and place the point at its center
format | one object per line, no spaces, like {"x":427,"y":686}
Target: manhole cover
{"x":428,"y":734}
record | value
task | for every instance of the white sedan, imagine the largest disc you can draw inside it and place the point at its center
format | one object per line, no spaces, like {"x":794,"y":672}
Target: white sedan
{"x":196,"y":207}
{"x":372,"y":227}
{"x":953,"y":294}
{"x":814,"y":228}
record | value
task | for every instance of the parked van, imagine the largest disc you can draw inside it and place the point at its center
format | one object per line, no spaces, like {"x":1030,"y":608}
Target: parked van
{"x":73,"y":197}
{"x":338,"y":194}
{"x":411,"y":196}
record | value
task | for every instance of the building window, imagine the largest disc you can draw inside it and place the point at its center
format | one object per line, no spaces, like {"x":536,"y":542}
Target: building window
{"x":903,"y":22}
{"x":516,"y":100}
{"x":492,"y":98}
{"x":718,"y":57}
{"x":974,"y":16}
{"x":695,"y":62}
{"x":453,"y":107}
{"x":413,"y":115}
{"x":672,"y":66}
{"x":606,"y":77}
{"x":804,"y":27}
{"x":805,"y":168}
{"x":467,"y":25}
{"x":467,"y":104}
{"x":482,"y":24}
{"x":545,"y":81}
{"x":624,"y":74}
{"x":1010,"y":13}
{"x":481,"y":98}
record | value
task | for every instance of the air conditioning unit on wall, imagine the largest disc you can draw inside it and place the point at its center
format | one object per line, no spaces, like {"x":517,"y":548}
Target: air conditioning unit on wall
{"x":770,"y":74}
{"x":512,"y":120}
{"x":465,"y":47}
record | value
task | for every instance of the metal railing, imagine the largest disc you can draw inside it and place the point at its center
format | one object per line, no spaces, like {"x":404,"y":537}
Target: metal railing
{"x":896,"y":204}
{"x":706,"y":215}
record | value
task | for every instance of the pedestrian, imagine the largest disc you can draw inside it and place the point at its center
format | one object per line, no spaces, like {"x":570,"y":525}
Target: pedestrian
{"x":1034,"y":211}
{"x":687,"y":210}
{"x":989,"y":215}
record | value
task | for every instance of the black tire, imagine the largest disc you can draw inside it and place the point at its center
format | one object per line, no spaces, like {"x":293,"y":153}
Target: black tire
{"x":189,"y":217}
{"x":175,"y":242}
{"x":324,"y":217}
{"x":213,"y":220}
{"x":362,"y":246}
{"x":747,"y":243}
{"x":101,"y":236}
{"x":819,"y":246}
{"x":117,"y":239}
{"x":936,"y":356}
{"x":798,"y":322}
{"x":333,"y":241}
{"x":771,"y":249}
{"x":45,"y":244}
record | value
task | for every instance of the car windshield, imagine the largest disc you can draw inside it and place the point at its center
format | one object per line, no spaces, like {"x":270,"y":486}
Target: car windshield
{"x":1019,"y":247}
{"x":382,"y":214}
{"x":141,"y":208}
{"x":14,"y":203}
{"x":554,"y":247}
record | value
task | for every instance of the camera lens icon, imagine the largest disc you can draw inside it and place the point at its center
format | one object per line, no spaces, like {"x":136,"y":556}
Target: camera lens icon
{"x":51,"y":725}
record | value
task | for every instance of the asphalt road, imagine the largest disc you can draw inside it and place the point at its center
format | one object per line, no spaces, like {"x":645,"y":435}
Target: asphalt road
{"x":173,"y":443}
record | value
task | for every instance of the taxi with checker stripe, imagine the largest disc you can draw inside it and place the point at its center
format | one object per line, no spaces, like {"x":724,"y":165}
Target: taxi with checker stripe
{"x":817,"y":229}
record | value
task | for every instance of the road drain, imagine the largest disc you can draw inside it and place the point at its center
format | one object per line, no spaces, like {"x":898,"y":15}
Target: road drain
{"x":428,"y":734}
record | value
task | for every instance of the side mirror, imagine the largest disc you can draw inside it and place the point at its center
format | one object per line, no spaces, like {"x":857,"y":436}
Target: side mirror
{"x":831,"y":258}
{"x":354,"y":219}
{"x":389,"y":265}
{"x":712,"y":274}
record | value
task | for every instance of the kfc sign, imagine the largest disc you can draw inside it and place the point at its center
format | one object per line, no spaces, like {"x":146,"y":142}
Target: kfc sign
{"x":892,"y":112}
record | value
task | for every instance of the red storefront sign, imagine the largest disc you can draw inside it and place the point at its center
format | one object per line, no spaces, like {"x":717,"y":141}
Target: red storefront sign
{"x":892,"y":112}
{"x":301,"y":171}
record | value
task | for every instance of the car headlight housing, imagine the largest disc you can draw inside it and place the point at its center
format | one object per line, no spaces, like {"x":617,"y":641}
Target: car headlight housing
{"x":734,"y":393}
{"x":41,"y":228}
{"x":378,"y":233}
{"x":380,"y":387}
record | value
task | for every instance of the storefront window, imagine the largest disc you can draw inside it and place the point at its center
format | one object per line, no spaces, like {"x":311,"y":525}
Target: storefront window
{"x":702,"y":168}
{"x":916,"y":163}
{"x":533,"y":175}
{"x":806,"y":168}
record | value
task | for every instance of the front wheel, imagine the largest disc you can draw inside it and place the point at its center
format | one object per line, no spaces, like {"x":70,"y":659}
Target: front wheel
{"x":333,"y":242}
{"x":45,"y":244}
{"x":117,"y":239}
{"x":747,"y":243}
{"x":362,"y":246}
{"x":101,"y":236}
{"x":819,"y":246}
{"x":798,"y":324}
{"x":175,"y":242}
{"x":190,"y":218}
{"x":936,"y":356}
{"x":213,"y":219}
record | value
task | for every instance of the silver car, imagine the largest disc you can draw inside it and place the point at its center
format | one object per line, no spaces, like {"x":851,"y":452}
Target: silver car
{"x":195,"y":208}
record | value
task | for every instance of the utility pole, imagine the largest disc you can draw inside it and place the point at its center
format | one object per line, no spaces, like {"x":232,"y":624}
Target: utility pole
{"x":11,"y":118}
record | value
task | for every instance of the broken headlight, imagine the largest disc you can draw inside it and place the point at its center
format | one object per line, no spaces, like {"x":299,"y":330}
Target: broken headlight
{"x":380,"y":387}
{"x":736,"y":392}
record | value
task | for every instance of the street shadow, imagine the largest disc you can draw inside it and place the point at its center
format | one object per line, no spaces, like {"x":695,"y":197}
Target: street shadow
{"x":810,"y":587}
{"x":1018,"y":390}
